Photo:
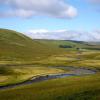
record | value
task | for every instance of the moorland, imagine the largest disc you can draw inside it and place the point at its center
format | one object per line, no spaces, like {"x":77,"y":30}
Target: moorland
{"x":22,"y":58}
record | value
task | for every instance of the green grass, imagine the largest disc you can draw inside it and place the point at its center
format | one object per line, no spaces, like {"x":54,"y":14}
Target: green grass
{"x":72,"y":88}
{"x":18,"y":74}
{"x":17,"y":47}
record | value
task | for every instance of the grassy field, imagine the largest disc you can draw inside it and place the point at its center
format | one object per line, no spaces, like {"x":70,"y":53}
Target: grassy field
{"x":19,"y":74}
{"x":72,"y":88}
{"x":22,"y":58}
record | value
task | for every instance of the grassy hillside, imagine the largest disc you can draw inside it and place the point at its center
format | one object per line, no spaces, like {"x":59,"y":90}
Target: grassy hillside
{"x":71,"y":45}
{"x":15,"y":46}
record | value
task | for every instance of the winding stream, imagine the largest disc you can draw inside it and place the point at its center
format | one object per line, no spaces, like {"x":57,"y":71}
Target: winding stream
{"x":73,"y":72}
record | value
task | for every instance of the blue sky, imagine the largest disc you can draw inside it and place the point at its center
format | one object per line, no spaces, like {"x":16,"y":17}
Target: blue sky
{"x":71,"y":15}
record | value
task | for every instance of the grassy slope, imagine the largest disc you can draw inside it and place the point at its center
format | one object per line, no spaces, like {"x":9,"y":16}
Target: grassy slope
{"x":73,"y":88}
{"x":15,"y":46}
{"x":73,"y":44}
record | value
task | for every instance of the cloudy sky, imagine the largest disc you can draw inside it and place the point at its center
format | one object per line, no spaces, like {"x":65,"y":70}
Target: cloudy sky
{"x":53,"y":19}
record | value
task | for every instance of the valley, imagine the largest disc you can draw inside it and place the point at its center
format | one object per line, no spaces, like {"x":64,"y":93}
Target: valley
{"x":22,"y":59}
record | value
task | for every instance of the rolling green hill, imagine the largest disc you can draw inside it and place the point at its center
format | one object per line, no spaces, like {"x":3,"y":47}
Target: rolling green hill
{"x":16,"y":46}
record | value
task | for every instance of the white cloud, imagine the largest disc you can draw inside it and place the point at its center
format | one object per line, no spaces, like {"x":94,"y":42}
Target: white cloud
{"x":39,"y":31}
{"x":29,"y":8}
{"x":64,"y":35}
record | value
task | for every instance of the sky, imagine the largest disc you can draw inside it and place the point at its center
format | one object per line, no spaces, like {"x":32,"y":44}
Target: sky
{"x":52,"y":19}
